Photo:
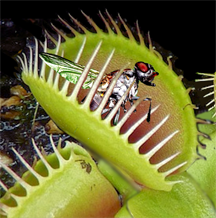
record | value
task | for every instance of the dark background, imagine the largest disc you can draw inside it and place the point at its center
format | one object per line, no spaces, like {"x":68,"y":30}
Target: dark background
{"x":187,"y":29}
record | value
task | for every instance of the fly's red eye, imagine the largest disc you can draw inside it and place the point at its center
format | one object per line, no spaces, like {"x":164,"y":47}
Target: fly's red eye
{"x":142,"y":66}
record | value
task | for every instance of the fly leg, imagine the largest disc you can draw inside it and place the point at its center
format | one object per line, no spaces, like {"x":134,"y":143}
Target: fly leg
{"x":105,"y":110}
{"x":149,"y":83}
{"x":116,"y":118}
{"x":149,"y":112}
{"x":146,"y":99}
{"x":123,"y":106}
{"x":111,"y":103}
{"x":134,"y":98}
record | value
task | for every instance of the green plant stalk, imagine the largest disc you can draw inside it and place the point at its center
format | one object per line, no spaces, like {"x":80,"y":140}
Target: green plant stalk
{"x":125,"y":187}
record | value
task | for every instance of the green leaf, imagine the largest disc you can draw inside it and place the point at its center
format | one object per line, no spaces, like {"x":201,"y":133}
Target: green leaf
{"x":185,"y":200}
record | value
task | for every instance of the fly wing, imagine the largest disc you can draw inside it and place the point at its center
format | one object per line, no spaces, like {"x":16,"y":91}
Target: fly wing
{"x":68,"y":69}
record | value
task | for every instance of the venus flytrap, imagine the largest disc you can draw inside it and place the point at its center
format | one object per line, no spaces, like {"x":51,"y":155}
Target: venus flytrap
{"x":87,"y":125}
{"x":85,"y":122}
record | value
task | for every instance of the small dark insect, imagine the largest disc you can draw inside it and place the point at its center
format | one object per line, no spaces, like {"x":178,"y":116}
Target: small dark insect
{"x":85,"y":165}
{"x":143,"y":72}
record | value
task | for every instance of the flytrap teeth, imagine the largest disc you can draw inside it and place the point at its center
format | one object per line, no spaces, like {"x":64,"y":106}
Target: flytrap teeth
{"x":36,"y":175}
{"x":157,"y":147}
{"x":18,"y":179}
{"x":110,"y":24}
{"x":138,"y":144}
{"x":200,"y":156}
{"x":204,"y":121}
{"x":165,"y":161}
{"x":204,"y":135}
{"x":161,"y":144}
{"x":24,"y":184}
{"x":210,"y":77}
{"x":202,"y":145}
{"x":172,"y":170}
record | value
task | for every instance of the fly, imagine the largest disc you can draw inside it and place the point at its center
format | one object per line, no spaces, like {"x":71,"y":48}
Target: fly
{"x":71,"y":71}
